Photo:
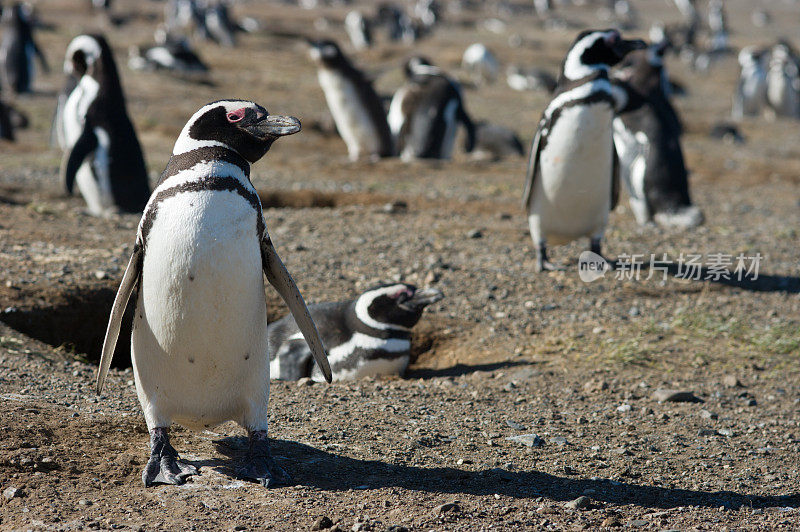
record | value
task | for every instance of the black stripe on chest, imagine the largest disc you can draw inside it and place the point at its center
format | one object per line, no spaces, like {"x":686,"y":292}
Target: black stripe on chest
{"x":184,"y":161}
{"x":211,"y":183}
{"x":600,"y":96}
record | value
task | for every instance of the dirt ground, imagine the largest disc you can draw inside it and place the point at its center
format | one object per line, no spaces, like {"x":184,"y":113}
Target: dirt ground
{"x":507,"y":353}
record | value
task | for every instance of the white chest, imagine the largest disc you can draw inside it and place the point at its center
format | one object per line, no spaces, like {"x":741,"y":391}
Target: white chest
{"x":349,"y":112}
{"x":76,"y":106}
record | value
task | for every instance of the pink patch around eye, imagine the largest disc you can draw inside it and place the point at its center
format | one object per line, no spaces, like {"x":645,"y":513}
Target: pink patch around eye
{"x":235,"y":116}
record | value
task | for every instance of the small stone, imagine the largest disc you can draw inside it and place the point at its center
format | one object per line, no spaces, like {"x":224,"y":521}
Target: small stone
{"x":85,"y":502}
{"x":322,"y":523}
{"x":751,"y":402}
{"x":530,"y":440}
{"x":559,"y":440}
{"x":475,"y":233}
{"x":638,"y":523}
{"x":100,"y":275}
{"x":624,"y":408}
{"x":634,"y":311}
{"x":431,"y":277}
{"x":707,"y":432}
{"x":731,"y":381}
{"x":395,"y":207}
{"x":611,"y":522}
{"x":725,"y":432}
{"x":514,"y":425}
{"x":11,"y":492}
{"x":581,"y":503}
{"x":706,"y":414}
{"x":447,"y":508}
{"x":595,"y":385}
{"x":305,"y":381}
{"x":676,"y":396}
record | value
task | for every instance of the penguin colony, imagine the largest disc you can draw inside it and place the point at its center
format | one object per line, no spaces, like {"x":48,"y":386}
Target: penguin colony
{"x":202,"y":239}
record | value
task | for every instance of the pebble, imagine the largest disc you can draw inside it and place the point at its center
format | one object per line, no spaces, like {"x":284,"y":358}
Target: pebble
{"x":514,"y":425}
{"x":624,"y":408}
{"x":676,"y":396}
{"x":447,"y":508}
{"x":395,"y":207}
{"x":638,"y":523}
{"x":707,"y":432}
{"x":305,"y":381}
{"x":725,"y":432}
{"x":595,"y":385}
{"x":530,"y":440}
{"x":611,"y":522}
{"x":85,"y":502}
{"x":706,"y":414}
{"x":475,"y":233}
{"x":322,"y":523}
{"x":581,"y":503}
{"x":11,"y":492}
{"x":100,"y":275}
{"x":559,"y":440}
{"x":731,"y":381}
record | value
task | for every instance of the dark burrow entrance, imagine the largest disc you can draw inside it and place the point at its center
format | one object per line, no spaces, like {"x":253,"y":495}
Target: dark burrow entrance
{"x":76,"y":322}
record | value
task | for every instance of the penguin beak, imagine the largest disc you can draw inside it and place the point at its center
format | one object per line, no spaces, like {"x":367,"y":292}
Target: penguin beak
{"x":623,"y":47}
{"x":422,"y":298}
{"x":274,"y":126}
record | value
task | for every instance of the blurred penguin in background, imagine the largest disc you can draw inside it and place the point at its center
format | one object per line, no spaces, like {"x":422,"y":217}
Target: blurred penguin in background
{"x":18,"y":49}
{"x":783,"y":82}
{"x":751,"y":91}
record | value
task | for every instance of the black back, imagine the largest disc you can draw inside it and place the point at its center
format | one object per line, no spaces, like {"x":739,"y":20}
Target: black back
{"x":17,"y":38}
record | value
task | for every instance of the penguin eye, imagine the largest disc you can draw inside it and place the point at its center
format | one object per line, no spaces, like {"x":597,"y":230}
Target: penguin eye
{"x":236,"y":116}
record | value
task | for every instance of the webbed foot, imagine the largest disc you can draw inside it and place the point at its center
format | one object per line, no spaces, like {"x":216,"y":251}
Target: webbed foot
{"x":259,"y":464}
{"x":164,"y":466}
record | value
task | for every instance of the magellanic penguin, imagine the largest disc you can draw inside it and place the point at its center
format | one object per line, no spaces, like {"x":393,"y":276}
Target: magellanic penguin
{"x":102,"y":152}
{"x":354,"y":104}
{"x":368,"y":336}
{"x":495,"y":142}
{"x":10,"y":120}
{"x":481,"y":63}
{"x":751,"y":92}
{"x":571,"y":183}
{"x":170,"y":53}
{"x":199,"y":340}
{"x":358,"y":29}
{"x":425,"y":113}
{"x":17,"y":49}
{"x":647,"y":138}
{"x":783,"y":82}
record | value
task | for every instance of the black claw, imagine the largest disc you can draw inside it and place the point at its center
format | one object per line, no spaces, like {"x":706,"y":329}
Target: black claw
{"x":261,"y":466}
{"x":164,"y":467}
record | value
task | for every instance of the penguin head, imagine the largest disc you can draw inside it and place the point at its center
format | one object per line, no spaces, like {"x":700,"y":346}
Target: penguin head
{"x":239,"y":125}
{"x":326,"y":53}
{"x":642,"y":69}
{"x":398,"y":304}
{"x":83,"y":52}
{"x":419,"y":65}
{"x":595,"y":50}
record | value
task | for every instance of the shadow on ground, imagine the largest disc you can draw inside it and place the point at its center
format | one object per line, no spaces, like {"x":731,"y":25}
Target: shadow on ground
{"x":331,"y":472}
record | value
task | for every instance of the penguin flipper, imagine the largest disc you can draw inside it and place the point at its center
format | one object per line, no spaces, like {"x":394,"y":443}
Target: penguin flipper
{"x":73,"y":158}
{"x":279,"y":278}
{"x":129,"y":282}
{"x":615,"y":171}
{"x":533,"y":162}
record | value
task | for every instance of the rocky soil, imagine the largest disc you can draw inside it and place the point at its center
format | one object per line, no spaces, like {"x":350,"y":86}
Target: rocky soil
{"x":536,"y":401}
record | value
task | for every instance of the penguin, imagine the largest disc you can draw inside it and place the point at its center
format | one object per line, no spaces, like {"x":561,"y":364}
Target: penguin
{"x":398,"y":24}
{"x":102,"y":151}
{"x":495,"y":142}
{"x":647,"y":139}
{"x":358,"y":29}
{"x":571,"y":183}
{"x":481,"y":63}
{"x":356,"y":107}
{"x":530,"y":79}
{"x":18,"y":48}
{"x":10,"y":120}
{"x":718,"y":24}
{"x":783,"y":82}
{"x":424,"y":114}
{"x":169,"y":53}
{"x":365,"y":337}
{"x":751,"y":92}
{"x":218,"y":25}
{"x":199,"y":337}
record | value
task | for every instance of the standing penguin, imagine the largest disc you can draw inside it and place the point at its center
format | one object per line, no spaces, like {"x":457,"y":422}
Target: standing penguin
{"x":17,"y":49}
{"x":199,"y":340}
{"x":783,"y":82}
{"x":647,"y":138}
{"x":358,"y":29}
{"x":425,"y":113}
{"x":751,"y":92}
{"x":571,"y":183}
{"x":354,"y":104}
{"x":368,"y":336}
{"x":102,"y":152}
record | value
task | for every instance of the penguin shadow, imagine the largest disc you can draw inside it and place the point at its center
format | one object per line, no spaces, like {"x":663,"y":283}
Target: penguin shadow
{"x":326,"y":471}
{"x":460,"y":369}
{"x":761,"y":283}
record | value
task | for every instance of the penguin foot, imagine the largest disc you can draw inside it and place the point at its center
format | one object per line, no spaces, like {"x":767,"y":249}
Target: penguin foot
{"x":164,"y":466}
{"x":260,"y":465}
{"x":547,"y":266}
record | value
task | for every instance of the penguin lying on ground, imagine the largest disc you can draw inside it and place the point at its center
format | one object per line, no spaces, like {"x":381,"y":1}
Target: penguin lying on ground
{"x":571,"y":184}
{"x":102,"y":153}
{"x":530,"y":79}
{"x":354,"y":104}
{"x":368,"y":336}
{"x":170,"y":53}
{"x":199,"y":340}
{"x":425,"y":113}
{"x":647,"y":137}
{"x":17,"y":49}
{"x":495,"y":142}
